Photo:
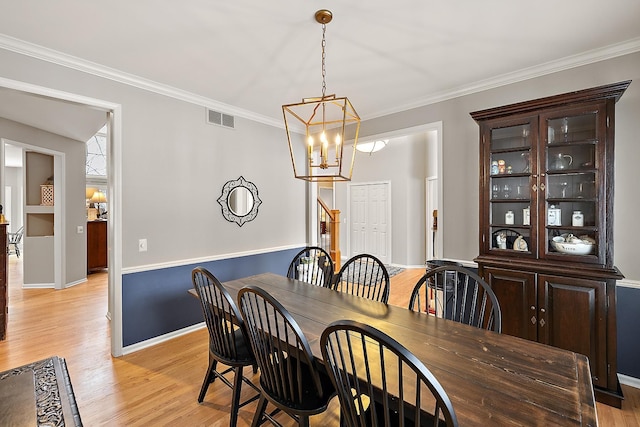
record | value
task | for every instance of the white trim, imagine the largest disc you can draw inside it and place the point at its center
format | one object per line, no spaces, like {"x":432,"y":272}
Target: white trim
{"x":162,"y":338}
{"x":626,"y":283}
{"x":77,"y":282}
{"x":39,"y":52}
{"x":180,"y":263}
{"x":630,"y":381}
{"x":39,"y":286}
{"x":42,"y":53}
{"x":578,"y":60}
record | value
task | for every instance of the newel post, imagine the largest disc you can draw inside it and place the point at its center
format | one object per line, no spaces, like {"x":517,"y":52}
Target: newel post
{"x":334,"y":250}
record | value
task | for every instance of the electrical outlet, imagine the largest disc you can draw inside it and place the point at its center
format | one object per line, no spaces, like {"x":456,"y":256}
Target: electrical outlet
{"x":80,"y":229}
{"x":142,"y":245}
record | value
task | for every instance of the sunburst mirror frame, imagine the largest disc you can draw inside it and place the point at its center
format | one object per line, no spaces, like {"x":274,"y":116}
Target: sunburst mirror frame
{"x":223,"y":200}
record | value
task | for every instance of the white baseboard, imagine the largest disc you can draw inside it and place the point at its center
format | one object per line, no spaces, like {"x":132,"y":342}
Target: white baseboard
{"x":162,"y":338}
{"x":630,"y":381}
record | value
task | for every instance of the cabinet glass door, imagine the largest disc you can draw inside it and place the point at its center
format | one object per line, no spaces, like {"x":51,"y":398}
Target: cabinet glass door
{"x":570,"y":162}
{"x":511,"y":207}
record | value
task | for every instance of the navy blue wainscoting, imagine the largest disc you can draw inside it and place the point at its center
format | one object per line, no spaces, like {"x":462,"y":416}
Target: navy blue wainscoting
{"x":156,"y":302}
{"x":628,"y":320}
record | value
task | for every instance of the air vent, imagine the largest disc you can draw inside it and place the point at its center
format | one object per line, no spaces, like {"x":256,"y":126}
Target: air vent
{"x":220,"y":119}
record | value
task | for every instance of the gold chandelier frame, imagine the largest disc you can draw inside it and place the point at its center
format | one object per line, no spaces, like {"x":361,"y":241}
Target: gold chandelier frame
{"x":325,"y":120}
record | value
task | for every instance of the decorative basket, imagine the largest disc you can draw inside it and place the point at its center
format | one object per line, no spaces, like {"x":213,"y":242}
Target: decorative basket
{"x":46,"y":195}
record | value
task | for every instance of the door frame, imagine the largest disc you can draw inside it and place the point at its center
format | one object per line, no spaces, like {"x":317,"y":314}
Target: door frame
{"x":436,"y":127}
{"x":114,"y":185}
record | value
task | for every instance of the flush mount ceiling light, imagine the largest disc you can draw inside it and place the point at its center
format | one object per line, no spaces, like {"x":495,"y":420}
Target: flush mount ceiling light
{"x":324,"y":120}
{"x":372,"y":146}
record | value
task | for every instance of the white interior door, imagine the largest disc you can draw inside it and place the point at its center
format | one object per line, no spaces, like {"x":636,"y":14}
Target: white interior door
{"x":369,"y":220}
{"x":377,"y":230}
{"x":358,"y":216}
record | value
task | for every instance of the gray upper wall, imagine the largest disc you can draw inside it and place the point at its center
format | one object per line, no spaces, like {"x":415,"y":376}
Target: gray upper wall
{"x":174,"y":165}
{"x":459,"y":219}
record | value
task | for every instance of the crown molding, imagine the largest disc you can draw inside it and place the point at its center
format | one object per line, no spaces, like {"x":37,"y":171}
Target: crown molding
{"x":62,"y":59}
{"x":585,"y":58}
{"x":55,"y":57}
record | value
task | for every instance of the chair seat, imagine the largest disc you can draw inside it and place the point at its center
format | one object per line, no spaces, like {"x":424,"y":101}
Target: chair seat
{"x":244,"y":355}
{"x":311,"y":402}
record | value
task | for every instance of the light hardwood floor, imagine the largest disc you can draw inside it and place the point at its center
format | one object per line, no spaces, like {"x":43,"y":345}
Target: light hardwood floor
{"x":157,"y":386}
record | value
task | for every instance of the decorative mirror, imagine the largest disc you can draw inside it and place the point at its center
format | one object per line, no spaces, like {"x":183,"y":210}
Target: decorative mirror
{"x":239,"y":201}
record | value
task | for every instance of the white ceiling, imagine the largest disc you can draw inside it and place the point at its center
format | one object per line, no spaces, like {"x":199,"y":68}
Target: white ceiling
{"x":255,"y":55}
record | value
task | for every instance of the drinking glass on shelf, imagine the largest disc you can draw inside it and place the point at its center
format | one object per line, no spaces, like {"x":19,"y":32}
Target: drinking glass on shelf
{"x":506,"y":191}
{"x":563,"y":187}
{"x":495,"y":191}
{"x":565,"y":129}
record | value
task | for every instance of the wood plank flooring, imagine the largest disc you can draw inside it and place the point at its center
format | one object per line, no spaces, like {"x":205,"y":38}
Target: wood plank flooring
{"x":156,"y":386}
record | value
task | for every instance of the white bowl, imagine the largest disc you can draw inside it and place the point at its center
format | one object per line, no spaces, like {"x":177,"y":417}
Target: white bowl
{"x":573,"y":248}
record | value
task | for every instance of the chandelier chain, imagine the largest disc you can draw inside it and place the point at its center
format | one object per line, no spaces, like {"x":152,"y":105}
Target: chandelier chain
{"x":324,"y":72}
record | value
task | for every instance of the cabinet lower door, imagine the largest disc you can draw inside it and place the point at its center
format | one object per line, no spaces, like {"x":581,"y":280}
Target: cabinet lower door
{"x":516,"y":293}
{"x":572,"y":315}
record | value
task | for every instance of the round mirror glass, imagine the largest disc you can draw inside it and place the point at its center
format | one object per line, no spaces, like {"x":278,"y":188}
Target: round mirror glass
{"x":240,"y":201}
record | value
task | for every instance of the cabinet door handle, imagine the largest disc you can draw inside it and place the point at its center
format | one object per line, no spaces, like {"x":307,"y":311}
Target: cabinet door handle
{"x":533,"y":307}
{"x":542,"y":310}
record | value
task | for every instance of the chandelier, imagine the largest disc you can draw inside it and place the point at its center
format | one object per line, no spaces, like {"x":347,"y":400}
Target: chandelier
{"x":324,"y":120}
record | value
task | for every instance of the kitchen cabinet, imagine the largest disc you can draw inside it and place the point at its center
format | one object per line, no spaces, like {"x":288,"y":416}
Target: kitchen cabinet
{"x":546,"y":223}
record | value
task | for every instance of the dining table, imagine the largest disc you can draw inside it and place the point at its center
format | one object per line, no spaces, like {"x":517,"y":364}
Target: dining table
{"x":491,"y":378}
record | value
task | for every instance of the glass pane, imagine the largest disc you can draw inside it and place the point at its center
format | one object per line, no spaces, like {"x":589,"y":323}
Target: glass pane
{"x":97,"y":154}
{"x":572,"y":129}
{"x":511,"y":137}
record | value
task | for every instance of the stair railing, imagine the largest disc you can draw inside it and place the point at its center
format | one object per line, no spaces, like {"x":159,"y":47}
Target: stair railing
{"x":331,"y":228}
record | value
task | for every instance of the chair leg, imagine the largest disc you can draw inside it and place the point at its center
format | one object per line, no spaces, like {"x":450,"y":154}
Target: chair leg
{"x":262,"y":406}
{"x":208,"y":378}
{"x":304,"y":421}
{"x":235,"y":400}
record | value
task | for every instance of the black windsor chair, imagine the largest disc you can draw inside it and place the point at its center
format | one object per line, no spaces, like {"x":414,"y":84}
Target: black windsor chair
{"x":312,"y":265}
{"x":365,"y":276}
{"x":289,"y":375}
{"x":228,"y":341}
{"x":379,"y":381}
{"x":455,"y":293}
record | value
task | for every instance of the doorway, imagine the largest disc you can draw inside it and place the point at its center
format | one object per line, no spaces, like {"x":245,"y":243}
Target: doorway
{"x":25,"y":97}
{"x":419,"y":159}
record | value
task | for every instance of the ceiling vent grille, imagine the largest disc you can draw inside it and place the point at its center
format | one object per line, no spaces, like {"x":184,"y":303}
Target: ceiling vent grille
{"x":220,"y":119}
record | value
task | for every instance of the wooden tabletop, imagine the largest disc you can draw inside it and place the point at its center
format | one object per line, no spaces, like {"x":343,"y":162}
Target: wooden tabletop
{"x":491,"y":379}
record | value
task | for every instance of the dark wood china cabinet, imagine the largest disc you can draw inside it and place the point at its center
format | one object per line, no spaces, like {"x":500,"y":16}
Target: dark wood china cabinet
{"x":546,"y":223}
